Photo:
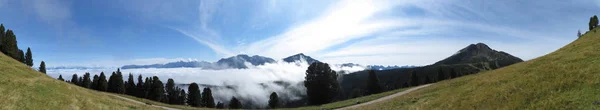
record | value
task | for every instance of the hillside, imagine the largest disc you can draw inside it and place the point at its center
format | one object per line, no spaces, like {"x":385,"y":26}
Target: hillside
{"x":565,"y":79}
{"x":472,"y":59}
{"x":25,"y":88}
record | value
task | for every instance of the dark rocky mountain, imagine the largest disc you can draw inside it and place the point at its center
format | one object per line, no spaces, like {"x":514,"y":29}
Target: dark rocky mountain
{"x":470,"y":60}
{"x":479,"y":52}
{"x":300,"y":57}
{"x":240,"y":60}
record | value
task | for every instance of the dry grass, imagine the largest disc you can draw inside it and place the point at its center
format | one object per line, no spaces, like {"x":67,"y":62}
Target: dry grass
{"x":568,"y":78}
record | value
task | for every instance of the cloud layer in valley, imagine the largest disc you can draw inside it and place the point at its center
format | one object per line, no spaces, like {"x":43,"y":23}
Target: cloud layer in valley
{"x":253,"y":84}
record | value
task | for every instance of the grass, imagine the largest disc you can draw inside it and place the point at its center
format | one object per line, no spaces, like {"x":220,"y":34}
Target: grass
{"x":350,"y":102}
{"x":568,"y":78}
{"x":162,"y":104}
{"x":25,"y":88}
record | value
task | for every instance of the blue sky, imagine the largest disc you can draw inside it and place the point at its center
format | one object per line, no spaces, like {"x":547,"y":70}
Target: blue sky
{"x":394,"y":32}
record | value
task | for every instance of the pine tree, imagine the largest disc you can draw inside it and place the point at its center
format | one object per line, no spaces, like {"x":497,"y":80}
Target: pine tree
{"x":80,"y":82}
{"x":235,"y":103}
{"x":102,"y":83}
{"x":321,"y":83}
{"x":2,"y":33}
{"x":29,"y":57}
{"x":157,"y":90}
{"x":147,"y":87}
{"x":140,"y":87}
{"x":441,"y":75}
{"x":9,"y":45}
{"x":220,"y":105}
{"x":119,"y":82}
{"x":414,"y":79}
{"x":74,"y":79}
{"x":595,"y":23}
{"x":86,"y":81}
{"x":60,"y":78}
{"x":273,"y":100}
{"x":591,"y":23}
{"x":94,"y":85}
{"x":194,"y":97}
{"x":131,"y":87}
{"x":22,"y":57}
{"x":453,"y":73}
{"x":43,"y":67}
{"x":182,"y":97}
{"x":111,"y":83}
{"x":207,"y":98}
{"x":373,"y":86}
{"x":427,"y":80}
{"x":172,"y":94}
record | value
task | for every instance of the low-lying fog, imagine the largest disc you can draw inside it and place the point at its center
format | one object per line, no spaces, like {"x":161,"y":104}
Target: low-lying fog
{"x":253,"y":85}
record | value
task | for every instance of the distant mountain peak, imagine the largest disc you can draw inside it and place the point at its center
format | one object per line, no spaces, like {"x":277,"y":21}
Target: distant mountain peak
{"x":300,"y":57}
{"x":479,"y":52}
{"x":239,"y":61}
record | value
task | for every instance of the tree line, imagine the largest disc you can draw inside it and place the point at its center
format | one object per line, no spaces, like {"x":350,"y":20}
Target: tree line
{"x":152,"y":88}
{"x":8,"y":46}
{"x":322,"y":85}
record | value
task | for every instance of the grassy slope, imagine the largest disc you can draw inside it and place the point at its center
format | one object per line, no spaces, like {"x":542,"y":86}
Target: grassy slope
{"x":351,"y":102}
{"x":162,"y":104}
{"x":568,"y":78}
{"x":24,"y":88}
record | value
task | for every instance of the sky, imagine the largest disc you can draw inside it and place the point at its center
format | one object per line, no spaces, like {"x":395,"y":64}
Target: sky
{"x":373,"y":32}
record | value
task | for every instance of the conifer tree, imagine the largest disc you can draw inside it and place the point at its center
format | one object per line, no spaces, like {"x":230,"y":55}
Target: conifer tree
{"x":86,"y":81}
{"x":235,"y":103}
{"x":102,"y":83}
{"x":2,"y":33}
{"x":119,"y":83}
{"x":80,"y":81}
{"x":373,"y":86}
{"x":29,"y":57}
{"x":441,"y":75}
{"x":131,"y":87}
{"x":172,"y":92}
{"x":414,"y":79}
{"x":321,"y":83}
{"x":74,"y":79}
{"x":220,"y":105}
{"x":147,"y":87}
{"x":453,"y":73}
{"x":9,"y":45}
{"x":60,"y":78}
{"x":95,"y":82}
{"x":182,"y":97}
{"x":194,"y":97}
{"x":427,"y":80}
{"x":140,"y":87}
{"x":43,"y":67}
{"x":157,"y":90}
{"x":273,"y":100}
{"x":207,"y":98}
{"x":22,"y":57}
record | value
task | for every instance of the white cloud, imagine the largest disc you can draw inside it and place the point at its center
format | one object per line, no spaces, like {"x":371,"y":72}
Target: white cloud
{"x":114,"y":63}
{"x":344,"y":21}
{"x":247,"y":80}
{"x":52,"y":11}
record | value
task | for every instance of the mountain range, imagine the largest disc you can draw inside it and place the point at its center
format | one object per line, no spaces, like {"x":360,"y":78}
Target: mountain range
{"x":241,"y":61}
